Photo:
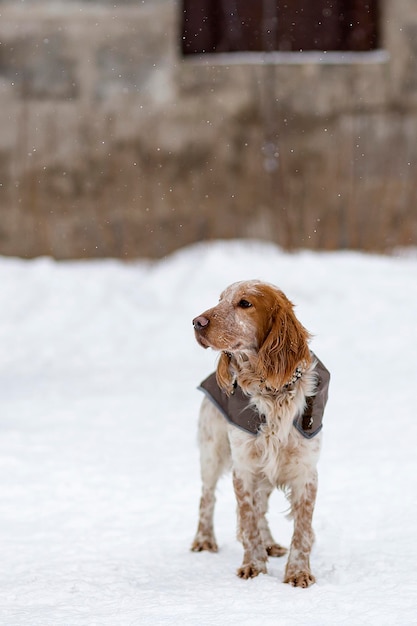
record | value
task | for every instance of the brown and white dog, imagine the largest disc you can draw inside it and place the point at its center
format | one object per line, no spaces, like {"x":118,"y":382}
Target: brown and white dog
{"x":262,"y":346}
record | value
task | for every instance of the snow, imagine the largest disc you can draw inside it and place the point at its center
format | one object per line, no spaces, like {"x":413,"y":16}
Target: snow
{"x":99,"y":461}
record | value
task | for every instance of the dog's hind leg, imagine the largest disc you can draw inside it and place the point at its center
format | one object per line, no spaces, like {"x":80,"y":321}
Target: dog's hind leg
{"x":262,"y":498}
{"x":214,"y":461}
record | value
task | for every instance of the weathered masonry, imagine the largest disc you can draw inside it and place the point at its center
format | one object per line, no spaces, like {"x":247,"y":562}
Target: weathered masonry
{"x":113,"y":142}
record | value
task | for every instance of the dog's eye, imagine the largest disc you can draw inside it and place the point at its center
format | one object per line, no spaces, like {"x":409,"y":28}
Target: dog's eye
{"x":244,"y":304}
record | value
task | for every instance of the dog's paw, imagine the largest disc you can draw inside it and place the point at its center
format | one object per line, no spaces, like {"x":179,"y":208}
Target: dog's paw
{"x":300,"y":578}
{"x":199,"y":545}
{"x":250,"y":570}
{"x":276,"y":550}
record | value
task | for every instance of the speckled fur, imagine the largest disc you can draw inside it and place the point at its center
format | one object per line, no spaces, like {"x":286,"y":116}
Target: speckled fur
{"x":261,"y":346}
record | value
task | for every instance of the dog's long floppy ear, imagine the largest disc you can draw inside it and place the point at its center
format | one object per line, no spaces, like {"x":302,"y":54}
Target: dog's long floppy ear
{"x":224,"y":375}
{"x":285,"y":346}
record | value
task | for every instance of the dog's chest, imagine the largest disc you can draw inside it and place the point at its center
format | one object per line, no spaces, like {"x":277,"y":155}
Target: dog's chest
{"x":282,"y":460}
{"x":255,"y":413}
{"x":234,"y":407}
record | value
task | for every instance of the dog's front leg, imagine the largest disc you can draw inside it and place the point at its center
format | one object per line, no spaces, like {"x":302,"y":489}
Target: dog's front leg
{"x":255,"y":555}
{"x":297,"y":572}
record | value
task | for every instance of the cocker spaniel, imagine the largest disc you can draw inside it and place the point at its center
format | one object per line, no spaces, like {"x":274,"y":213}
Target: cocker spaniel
{"x":272,"y":391}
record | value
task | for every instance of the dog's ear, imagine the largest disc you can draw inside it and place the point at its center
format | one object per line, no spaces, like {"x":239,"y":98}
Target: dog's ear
{"x":285,"y":346}
{"x":224,"y":376}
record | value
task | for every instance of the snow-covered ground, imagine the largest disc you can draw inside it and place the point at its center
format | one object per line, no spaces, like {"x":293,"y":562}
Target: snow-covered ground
{"x":99,"y":461}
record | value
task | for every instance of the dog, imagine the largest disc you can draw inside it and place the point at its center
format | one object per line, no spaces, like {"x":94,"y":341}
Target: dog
{"x":264,"y":358}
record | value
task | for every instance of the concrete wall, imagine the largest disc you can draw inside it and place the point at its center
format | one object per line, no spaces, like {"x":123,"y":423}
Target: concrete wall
{"x":112,"y":144}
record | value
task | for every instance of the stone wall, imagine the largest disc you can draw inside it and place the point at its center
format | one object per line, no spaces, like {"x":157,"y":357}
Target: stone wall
{"x":112,"y":145}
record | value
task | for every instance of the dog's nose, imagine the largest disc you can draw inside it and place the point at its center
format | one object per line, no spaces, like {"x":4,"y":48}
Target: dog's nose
{"x":200,"y":322}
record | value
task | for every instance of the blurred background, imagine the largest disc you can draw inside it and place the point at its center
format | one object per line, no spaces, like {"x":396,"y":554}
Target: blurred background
{"x":130,"y":128}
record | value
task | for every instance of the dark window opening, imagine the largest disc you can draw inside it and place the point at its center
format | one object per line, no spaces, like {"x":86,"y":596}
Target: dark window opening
{"x":279,"y":25}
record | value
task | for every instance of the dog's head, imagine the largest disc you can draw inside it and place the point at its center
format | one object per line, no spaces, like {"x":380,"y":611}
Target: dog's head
{"x":256,"y":321}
